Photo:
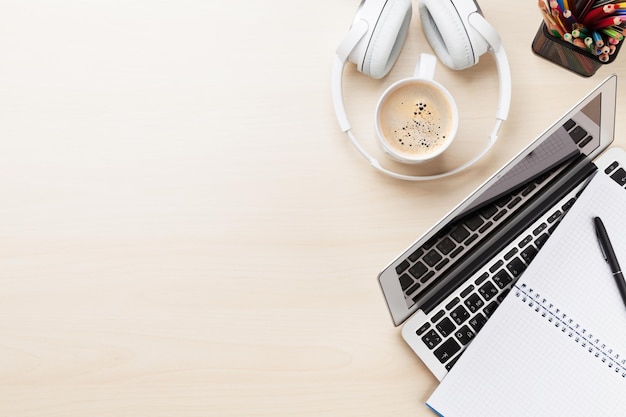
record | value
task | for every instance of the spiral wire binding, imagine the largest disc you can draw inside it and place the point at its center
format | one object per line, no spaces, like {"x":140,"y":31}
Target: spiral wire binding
{"x":573,"y":330}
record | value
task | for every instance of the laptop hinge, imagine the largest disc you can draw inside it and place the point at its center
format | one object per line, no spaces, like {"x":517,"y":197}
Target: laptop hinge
{"x":580,"y":169}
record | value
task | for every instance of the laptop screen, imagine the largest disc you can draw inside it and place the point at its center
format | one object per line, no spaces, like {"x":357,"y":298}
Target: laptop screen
{"x":581,"y":134}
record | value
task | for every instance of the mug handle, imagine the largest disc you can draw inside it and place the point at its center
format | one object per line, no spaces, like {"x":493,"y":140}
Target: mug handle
{"x":425,"y":67}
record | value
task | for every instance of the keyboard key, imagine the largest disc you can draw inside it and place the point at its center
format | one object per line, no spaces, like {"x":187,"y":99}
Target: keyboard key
{"x":418,"y":270}
{"x":402,"y":267}
{"x":514,"y":202}
{"x":422,"y":329}
{"x":585,"y":141}
{"x":540,"y":229}
{"x":619,"y":176}
{"x":446,"y":327}
{"x":416,"y":255}
{"x":541,"y":240}
{"x":529,"y":253}
{"x":568,"y":205}
{"x":569,"y":124}
{"x":471,"y":239}
{"x":611,"y":167}
{"x":485,"y":227}
{"x":427,"y":276}
{"x":488,"y":291}
{"x":516,"y":267}
{"x":474,"y":222}
{"x":430,"y":242}
{"x":542,"y":178}
{"x":455,"y":252}
{"x":447,"y":350}
{"x":493,"y":268}
{"x":441,"y":264}
{"x":577,"y":134}
{"x":503,"y":200}
{"x":510,"y":254}
{"x":446,"y":246}
{"x":432,"y":257}
{"x":500,"y":215}
{"x":481,"y":278}
{"x":528,"y":189}
{"x":488,"y":211}
{"x":452,"y":303}
{"x":490,"y":308}
{"x":474,"y":303}
{"x":431,"y":339}
{"x":554,"y":216}
{"x":459,"y":315}
{"x":502,"y":278}
{"x":459,"y":234}
{"x":450,"y":364}
{"x":413,"y":288}
{"x":525,"y":241}
{"x":438,"y":316}
{"x":464,"y":335}
{"x":478,"y":322}
{"x":405,"y":281}
{"x":467,"y":291}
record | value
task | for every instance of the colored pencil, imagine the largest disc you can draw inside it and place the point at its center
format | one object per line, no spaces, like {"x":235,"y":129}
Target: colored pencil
{"x":591,"y":25}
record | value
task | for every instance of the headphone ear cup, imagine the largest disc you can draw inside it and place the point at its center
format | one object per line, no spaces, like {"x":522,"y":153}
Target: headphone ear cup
{"x":446,"y":33}
{"x":387,"y":38}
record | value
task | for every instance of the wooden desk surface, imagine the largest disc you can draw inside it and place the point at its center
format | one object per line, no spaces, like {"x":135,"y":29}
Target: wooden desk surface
{"x":184,"y":230}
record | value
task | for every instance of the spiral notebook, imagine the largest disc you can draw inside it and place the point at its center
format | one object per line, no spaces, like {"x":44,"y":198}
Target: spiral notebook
{"x":556,"y":346}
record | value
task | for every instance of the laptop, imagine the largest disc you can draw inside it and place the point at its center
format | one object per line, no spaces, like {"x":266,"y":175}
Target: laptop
{"x":446,"y":285}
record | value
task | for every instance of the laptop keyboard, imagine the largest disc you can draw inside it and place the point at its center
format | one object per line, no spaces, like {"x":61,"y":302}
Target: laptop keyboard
{"x":424,"y":265}
{"x":450,"y":329}
{"x":615,"y":171}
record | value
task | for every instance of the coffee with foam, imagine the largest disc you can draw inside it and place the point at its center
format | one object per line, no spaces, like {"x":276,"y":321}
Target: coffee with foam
{"x":416,"y":120}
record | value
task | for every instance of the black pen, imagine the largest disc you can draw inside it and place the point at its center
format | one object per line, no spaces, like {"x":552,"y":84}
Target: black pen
{"x":609,"y":256}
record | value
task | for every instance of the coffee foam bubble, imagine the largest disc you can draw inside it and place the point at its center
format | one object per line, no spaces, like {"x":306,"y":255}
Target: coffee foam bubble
{"x":416,"y":119}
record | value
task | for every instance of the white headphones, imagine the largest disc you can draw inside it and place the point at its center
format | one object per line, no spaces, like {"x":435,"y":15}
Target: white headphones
{"x":455,"y":29}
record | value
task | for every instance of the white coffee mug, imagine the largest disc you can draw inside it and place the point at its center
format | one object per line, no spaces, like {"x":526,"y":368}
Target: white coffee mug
{"x":416,"y":117}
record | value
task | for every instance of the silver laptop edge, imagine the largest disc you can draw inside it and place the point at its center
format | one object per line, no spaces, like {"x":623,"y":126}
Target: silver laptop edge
{"x":388,"y":278}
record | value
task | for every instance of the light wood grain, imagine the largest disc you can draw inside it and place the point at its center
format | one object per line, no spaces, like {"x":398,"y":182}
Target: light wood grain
{"x":184,"y":230}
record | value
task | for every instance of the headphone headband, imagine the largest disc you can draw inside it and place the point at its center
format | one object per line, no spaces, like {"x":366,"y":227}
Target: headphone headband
{"x":489,"y":33}
{"x":481,"y":37}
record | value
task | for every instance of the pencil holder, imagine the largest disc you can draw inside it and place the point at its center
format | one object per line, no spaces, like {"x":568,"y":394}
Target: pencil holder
{"x":567,"y":55}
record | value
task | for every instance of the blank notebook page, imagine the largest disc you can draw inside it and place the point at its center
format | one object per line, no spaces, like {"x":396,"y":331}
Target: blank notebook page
{"x":556,"y":346}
